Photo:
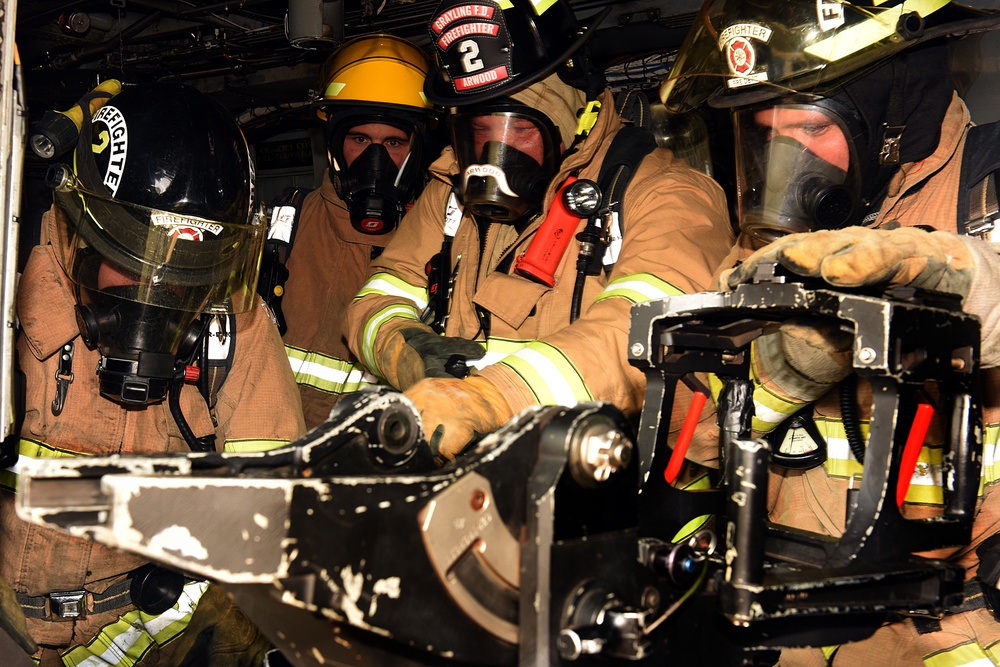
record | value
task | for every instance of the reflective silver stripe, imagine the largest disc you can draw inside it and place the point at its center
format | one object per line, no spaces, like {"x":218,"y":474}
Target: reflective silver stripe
{"x":124,"y":642}
{"x":326,"y":373}
{"x":552,"y":377}
{"x":385,"y":284}
{"x":638,"y":287}
{"x":373,"y":325}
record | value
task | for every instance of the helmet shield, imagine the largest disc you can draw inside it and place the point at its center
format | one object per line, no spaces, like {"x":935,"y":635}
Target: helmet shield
{"x":507,"y":155}
{"x":739,"y":53}
{"x":171,"y":260}
{"x":794,"y":170}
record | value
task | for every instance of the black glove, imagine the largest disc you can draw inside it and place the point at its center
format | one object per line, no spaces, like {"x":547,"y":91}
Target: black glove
{"x":442,"y":356}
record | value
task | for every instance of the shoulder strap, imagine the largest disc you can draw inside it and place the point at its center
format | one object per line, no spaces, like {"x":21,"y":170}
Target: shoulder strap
{"x":977,"y":186}
{"x":285,"y":211}
{"x":218,"y":348}
{"x":633,"y":107}
{"x":627,"y":151}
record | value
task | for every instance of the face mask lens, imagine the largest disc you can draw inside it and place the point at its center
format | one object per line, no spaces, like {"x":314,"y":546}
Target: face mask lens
{"x":793,"y":171}
{"x":506,"y":160}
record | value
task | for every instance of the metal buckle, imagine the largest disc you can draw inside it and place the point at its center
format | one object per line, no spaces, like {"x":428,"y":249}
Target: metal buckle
{"x":68,"y":604}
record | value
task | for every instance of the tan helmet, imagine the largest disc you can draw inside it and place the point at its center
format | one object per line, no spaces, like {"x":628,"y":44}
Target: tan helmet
{"x":379,"y":70}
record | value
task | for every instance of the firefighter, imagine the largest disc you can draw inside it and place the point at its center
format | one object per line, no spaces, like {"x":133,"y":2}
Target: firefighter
{"x":145,"y":273}
{"x":378,"y":122}
{"x":528,"y":111}
{"x":854,"y":164}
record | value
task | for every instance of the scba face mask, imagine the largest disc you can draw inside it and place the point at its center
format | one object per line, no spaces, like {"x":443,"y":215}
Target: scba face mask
{"x":372,"y":192}
{"x":507,"y":156}
{"x":140,"y":343}
{"x":378,"y":183}
{"x":795,"y":171}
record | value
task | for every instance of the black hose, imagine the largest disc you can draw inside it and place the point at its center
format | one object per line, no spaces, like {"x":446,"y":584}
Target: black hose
{"x":849,"y":413}
{"x":203,"y":444}
{"x":574,"y":308}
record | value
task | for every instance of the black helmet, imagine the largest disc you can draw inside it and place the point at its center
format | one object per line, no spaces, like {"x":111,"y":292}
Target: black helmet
{"x":487,"y":49}
{"x":162,"y":185}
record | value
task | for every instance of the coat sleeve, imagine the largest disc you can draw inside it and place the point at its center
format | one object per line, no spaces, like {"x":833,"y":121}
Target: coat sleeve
{"x":258,"y":407}
{"x":676,"y":231}
{"x":397,"y":280}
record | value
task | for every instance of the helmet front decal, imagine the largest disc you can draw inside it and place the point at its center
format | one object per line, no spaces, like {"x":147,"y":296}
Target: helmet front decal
{"x":184,"y":228}
{"x":736,"y":43}
{"x":473,"y":45}
{"x":111,"y":130}
{"x":829,"y":14}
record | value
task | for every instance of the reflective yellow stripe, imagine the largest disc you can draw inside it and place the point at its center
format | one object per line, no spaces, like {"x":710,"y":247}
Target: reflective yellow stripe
{"x":124,"y":642}
{"x":769,"y":408}
{"x":637,"y":288}
{"x":253,"y":445}
{"x":542,"y":6}
{"x":695,"y":524}
{"x":386,"y":284}
{"x":926,"y":482}
{"x":497,"y":349}
{"x":550,"y":375}
{"x":966,"y":655}
{"x":325,"y":373}
{"x":877,"y":27}
{"x":504,"y":4}
{"x":35,"y":449}
{"x":991,"y":466}
{"x":373,"y":325}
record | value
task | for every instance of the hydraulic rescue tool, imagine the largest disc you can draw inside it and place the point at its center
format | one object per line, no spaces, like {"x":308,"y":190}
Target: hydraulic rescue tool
{"x":568,"y":536}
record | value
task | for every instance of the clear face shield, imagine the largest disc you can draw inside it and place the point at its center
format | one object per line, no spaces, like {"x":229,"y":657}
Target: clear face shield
{"x":143,"y":278}
{"x":794,"y":171}
{"x":507,"y":159}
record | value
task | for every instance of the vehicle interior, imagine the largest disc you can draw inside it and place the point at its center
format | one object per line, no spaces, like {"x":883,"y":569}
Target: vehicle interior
{"x":261,"y":58}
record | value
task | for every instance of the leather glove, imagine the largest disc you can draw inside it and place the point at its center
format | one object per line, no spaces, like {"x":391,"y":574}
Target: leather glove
{"x":857,"y":256}
{"x":805,"y":358}
{"x":414,"y":351}
{"x":808,"y":356}
{"x":454,"y":411}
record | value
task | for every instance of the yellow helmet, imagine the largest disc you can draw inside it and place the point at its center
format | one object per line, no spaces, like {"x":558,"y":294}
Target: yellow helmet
{"x":378,"y":69}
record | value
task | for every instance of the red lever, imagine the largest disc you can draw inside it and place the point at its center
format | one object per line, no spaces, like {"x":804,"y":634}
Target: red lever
{"x":685,"y":436}
{"x":914,"y":441}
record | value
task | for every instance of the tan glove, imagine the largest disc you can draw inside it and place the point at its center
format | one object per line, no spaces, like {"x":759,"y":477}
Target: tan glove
{"x":804,"y":358}
{"x":413,"y":351}
{"x":858,"y":256}
{"x":808,"y":356}
{"x":455,"y":411}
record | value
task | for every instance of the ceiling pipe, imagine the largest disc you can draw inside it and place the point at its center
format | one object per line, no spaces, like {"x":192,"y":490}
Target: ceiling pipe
{"x":69,"y":60}
{"x":314,"y":25}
